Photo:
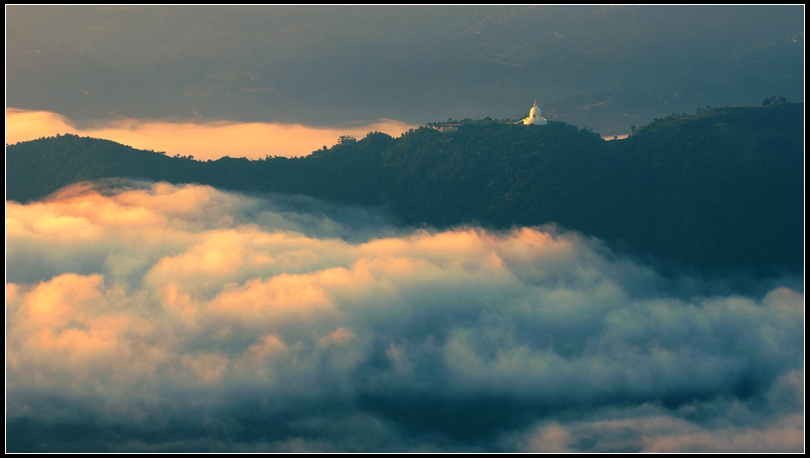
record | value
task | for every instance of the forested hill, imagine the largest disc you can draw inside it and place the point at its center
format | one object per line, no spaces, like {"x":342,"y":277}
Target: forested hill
{"x":721,"y":189}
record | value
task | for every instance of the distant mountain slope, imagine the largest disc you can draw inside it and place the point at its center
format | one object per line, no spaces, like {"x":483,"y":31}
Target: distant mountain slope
{"x":606,"y":67}
{"x":717,"y":190}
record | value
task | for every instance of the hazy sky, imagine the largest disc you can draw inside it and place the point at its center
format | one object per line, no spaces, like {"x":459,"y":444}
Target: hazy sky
{"x":603,"y":67}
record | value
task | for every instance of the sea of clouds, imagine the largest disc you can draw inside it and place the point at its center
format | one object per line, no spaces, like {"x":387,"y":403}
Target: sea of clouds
{"x":148,"y":316}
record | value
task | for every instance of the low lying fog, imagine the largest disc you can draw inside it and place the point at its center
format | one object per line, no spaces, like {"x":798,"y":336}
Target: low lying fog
{"x":145,"y":317}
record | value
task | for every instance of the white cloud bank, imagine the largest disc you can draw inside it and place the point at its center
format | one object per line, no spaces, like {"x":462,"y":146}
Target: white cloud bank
{"x":203,"y":140}
{"x":179,"y":318}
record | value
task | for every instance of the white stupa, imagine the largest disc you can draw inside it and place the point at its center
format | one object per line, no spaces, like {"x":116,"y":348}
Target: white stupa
{"x":534,"y":117}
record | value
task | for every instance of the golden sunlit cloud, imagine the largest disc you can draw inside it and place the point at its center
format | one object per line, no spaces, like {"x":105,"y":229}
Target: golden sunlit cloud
{"x":203,"y":140}
{"x":121,"y":300}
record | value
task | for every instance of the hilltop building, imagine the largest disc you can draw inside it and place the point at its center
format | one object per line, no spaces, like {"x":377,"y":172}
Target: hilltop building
{"x":534,"y":117}
{"x":346,"y":139}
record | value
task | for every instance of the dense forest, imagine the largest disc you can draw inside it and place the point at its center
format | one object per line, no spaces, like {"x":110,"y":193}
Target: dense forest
{"x":717,"y":190}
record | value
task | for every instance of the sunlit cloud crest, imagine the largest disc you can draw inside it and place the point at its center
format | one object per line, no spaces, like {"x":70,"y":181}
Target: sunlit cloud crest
{"x":203,"y":140}
{"x":154,"y":291}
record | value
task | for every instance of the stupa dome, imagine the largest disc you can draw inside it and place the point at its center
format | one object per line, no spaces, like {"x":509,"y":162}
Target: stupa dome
{"x":534,"y":116}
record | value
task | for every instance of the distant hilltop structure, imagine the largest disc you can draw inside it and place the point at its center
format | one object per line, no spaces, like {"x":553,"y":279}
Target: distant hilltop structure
{"x":346,"y":139}
{"x":534,"y":117}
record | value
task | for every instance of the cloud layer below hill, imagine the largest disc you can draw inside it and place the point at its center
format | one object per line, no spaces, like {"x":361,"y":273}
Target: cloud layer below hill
{"x":203,"y":140}
{"x":145,"y":317}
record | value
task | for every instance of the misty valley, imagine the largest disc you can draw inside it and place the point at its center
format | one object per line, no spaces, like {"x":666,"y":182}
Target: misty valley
{"x":493,"y":288}
{"x":705,"y":191}
{"x":616,"y":267}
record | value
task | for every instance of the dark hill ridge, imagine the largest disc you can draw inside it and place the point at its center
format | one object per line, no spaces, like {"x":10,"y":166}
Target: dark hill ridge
{"x":718,"y":190}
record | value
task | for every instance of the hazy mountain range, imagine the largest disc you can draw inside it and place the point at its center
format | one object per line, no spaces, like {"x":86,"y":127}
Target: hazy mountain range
{"x":607,"y":68}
